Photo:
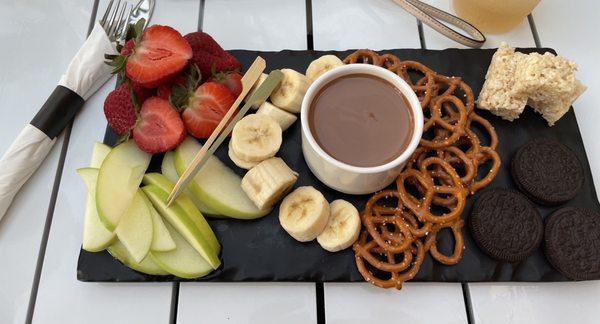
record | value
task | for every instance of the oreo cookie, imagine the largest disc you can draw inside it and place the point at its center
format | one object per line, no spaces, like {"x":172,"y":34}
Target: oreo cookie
{"x":505,"y":225}
{"x":572,"y":242}
{"x":547,"y":171}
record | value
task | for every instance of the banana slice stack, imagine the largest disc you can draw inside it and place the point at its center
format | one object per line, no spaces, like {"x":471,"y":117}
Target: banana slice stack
{"x":305,"y":214}
{"x":254,"y":138}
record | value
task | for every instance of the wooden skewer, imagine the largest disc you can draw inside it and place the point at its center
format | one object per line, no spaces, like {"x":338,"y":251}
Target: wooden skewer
{"x":248,"y":80}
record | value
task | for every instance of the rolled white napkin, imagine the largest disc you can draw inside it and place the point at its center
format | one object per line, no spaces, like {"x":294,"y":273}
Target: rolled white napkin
{"x":86,"y":73}
{"x":21,"y":160}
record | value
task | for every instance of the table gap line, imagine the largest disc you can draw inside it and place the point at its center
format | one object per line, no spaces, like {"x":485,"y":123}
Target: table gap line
{"x":534,"y":32}
{"x":174,"y":303}
{"x":421,"y":34}
{"x":53,"y":196}
{"x":201,"y":14}
{"x":468,"y":304}
{"x":309,"y":26}
{"x":320,"y":302}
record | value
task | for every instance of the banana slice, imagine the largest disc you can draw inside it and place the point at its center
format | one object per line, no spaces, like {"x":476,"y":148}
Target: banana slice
{"x":239,"y":162}
{"x":288,"y":96}
{"x":256,"y":85}
{"x":322,"y":65}
{"x":342,"y":228}
{"x":256,"y":138}
{"x":282,"y":117}
{"x":267,"y":182}
{"x":304,"y":213}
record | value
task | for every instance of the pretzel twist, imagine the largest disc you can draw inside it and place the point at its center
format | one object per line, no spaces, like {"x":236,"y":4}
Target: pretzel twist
{"x":363,"y":56}
{"x":389,"y":60}
{"x":455,"y":128}
{"x":425,"y":90}
{"x":431,"y":243}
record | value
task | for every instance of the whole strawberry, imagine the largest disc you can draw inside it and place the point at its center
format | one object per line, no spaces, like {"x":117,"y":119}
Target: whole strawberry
{"x":141,"y":93}
{"x":208,"y":53}
{"x":159,"y":128}
{"x":120,"y":110}
{"x":127,"y":49}
{"x":164,"y":91}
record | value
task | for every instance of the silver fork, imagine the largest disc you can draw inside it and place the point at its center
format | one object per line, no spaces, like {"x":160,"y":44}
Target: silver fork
{"x":114,"y":21}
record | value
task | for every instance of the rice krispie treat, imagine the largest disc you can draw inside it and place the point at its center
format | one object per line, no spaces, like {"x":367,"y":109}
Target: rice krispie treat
{"x":497,"y":94}
{"x":545,"y":82}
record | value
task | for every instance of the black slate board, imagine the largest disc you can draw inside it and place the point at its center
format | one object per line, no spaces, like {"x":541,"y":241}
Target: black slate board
{"x":260,"y":250}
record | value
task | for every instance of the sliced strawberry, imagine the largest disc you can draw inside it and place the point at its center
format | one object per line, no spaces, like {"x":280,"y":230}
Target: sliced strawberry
{"x":160,"y":54}
{"x":209,"y":103}
{"x":232,"y":80}
{"x":159,"y":128}
{"x":208,"y":53}
{"x":119,"y":109}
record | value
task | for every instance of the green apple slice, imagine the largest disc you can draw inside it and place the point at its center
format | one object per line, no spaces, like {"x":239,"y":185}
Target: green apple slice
{"x":216,"y":185}
{"x":184,"y":261}
{"x":177,"y":217}
{"x":188,"y":207}
{"x":147,"y":266}
{"x":168,"y":170}
{"x":95,"y":236}
{"x":118,"y":180}
{"x":161,"y":239}
{"x":135,"y":228}
{"x":99,"y":153}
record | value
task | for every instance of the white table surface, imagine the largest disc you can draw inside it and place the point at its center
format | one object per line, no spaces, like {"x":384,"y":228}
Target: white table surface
{"x":39,"y":37}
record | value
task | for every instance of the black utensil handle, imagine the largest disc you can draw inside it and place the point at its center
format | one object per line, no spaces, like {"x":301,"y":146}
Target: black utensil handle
{"x":58,"y":110}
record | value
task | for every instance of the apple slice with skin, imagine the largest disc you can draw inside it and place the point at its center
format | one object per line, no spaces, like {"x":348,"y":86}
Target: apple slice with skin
{"x":167,"y":168}
{"x":99,"y":153}
{"x":188,"y":207}
{"x":118,"y":180}
{"x":135,"y":230}
{"x":95,"y":236}
{"x":161,"y":239}
{"x":147,"y":266}
{"x":177,"y":217}
{"x":216,"y":185}
{"x":184,"y":261}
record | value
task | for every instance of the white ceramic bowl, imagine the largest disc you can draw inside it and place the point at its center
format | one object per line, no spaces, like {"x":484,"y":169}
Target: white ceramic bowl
{"x":342,"y":176}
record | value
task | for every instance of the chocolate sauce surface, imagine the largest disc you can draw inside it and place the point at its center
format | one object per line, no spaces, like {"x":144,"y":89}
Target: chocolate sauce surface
{"x":361,"y":120}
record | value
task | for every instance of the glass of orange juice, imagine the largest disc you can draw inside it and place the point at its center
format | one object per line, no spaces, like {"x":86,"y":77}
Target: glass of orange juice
{"x":494,"y":16}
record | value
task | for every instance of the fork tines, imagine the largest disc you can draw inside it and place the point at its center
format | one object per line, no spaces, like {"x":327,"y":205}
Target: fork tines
{"x":115,"y":18}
